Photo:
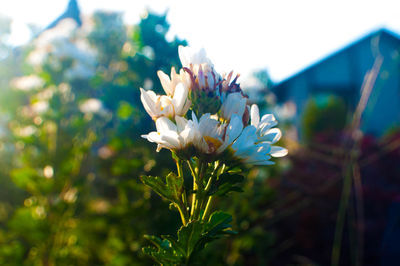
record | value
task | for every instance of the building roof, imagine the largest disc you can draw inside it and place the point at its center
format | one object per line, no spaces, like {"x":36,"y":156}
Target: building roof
{"x":72,"y":12}
{"x":373,"y":34}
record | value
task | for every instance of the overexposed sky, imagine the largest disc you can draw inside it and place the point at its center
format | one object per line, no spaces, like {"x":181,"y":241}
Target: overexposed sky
{"x":281,"y":36}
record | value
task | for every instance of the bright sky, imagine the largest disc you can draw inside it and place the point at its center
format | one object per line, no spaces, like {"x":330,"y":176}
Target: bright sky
{"x":280,"y":36}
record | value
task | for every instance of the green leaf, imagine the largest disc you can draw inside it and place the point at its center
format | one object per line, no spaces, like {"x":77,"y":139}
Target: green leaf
{"x":217,"y":226}
{"x":178,"y":248}
{"x":163,"y":252}
{"x":189,"y":242}
{"x":192,"y":238}
{"x":225,"y":183}
{"x":218,"y":221}
{"x":189,"y":236}
{"x":175,"y":186}
{"x":158,"y":185}
{"x":171,"y":190}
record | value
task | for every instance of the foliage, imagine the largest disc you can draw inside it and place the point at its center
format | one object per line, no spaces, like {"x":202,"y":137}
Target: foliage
{"x":198,"y":227}
{"x":71,"y":148}
{"x":324,"y":113}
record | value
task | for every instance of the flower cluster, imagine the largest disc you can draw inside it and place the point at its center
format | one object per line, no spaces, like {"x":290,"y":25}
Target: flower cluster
{"x":222,"y":124}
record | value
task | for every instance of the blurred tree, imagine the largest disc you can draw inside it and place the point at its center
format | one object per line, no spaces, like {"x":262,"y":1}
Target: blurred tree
{"x":73,"y":148}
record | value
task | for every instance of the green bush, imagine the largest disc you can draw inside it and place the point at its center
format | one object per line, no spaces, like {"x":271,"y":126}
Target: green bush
{"x":323,"y":114}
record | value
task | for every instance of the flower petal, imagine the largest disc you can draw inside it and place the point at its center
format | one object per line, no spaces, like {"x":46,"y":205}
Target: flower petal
{"x":180,"y":98}
{"x":267,"y":121}
{"x":148,"y":101}
{"x":165,"y":82}
{"x":255,"y":115}
{"x":235,"y":103}
{"x":234,"y":129}
{"x":277,"y":151}
{"x":272,"y":136}
{"x":180,"y":123}
{"x":164,"y":125}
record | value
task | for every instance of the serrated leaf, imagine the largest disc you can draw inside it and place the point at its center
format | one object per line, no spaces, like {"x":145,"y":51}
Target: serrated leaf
{"x":189,"y":235}
{"x":171,"y":189}
{"x":232,"y":178}
{"x":149,"y":251}
{"x":218,"y":222}
{"x":225,"y":183}
{"x":175,"y":185}
{"x":163,"y":252}
{"x":175,"y":244}
{"x":157,"y":184}
{"x":156,"y":241}
{"x":191,"y":239}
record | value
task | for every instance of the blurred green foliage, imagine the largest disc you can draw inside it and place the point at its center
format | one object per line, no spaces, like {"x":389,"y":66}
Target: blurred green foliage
{"x":326,"y":114}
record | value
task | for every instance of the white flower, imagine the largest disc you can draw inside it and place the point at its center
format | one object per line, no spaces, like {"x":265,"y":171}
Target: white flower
{"x":169,"y":84}
{"x":208,"y":137}
{"x":190,"y":56}
{"x":265,"y":132}
{"x":171,"y":136}
{"x":249,"y":151}
{"x":161,"y":105}
{"x":213,"y":137}
{"x":254,"y":145}
{"x":199,"y":70}
{"x":235,"y":103}
{"x":175,"y":103}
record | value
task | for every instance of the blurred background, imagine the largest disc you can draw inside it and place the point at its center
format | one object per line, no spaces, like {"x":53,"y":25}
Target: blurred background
{"x":71,"y":119}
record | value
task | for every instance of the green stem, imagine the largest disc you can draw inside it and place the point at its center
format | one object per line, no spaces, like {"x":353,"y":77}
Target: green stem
{"x":207,"y":209}
{"x":208,"y":187}
{"x":194,"y":175}
{"x":182,"y":213}
{"x":180,"y":174}
{"x":200,"y":190}
{"x":182,"y":207}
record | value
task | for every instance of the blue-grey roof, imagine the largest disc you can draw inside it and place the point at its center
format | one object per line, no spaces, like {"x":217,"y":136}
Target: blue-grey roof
{"x":353,"y":45}
{"x":72,"y":12}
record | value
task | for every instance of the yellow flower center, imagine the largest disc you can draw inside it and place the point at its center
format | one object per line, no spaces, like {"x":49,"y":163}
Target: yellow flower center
{"x":213,"y":143}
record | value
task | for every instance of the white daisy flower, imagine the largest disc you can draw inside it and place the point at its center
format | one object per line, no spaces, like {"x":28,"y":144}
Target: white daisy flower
{"x":172,"y":136}
{"x":199,"y":69}
{"x":190,"y":56}
{"x":162,"y":105}
{"x":169,"y":84}
{"x":265,"y":132}
{"x":213,"y":137}
{"x":246,"y":148}
{"x":223,"y":111}
{"x":235,"y":103}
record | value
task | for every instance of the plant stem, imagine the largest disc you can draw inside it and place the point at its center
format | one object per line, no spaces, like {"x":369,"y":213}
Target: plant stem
{"x":200,"y":190}
{"x":208,"y":187}
{"x":182,"y":213}
{"x":182,"y":208}
{"x":194,"y":175}
{"x":180,"y":174}
{"x":207,"y":209}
